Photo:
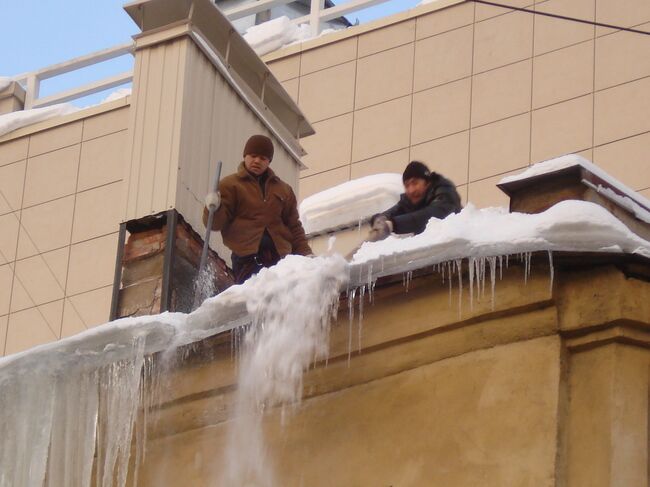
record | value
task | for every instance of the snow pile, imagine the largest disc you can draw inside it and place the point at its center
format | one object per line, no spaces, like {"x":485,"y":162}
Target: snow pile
{"x":15,"y":120}
{"x":51,"y":396}
{"x":571,"y":160}
{"x":350,"y":202}
{"x":573,"y":226}
{"x":274,"y":34}
{"x":4,"y":83}
{"x":277,"y":33}
{"x":117,"y":95}
{"x":290,"y":329}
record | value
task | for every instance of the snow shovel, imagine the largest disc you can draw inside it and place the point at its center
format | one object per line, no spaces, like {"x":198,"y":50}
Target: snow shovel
{"x":206,"y":241}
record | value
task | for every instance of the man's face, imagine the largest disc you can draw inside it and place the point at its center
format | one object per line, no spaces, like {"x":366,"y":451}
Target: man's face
{"x":256,"y":164}
{"x":415,"y":189}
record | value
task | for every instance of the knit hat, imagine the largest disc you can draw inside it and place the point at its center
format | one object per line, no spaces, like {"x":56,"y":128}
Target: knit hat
{"x":416,"y":169}
{"x":260,"y":145}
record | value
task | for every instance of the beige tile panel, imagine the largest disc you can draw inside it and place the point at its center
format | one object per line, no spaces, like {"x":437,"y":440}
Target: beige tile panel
{"x":286,"y":68}
{"x":501,"y":93}
{"x":443,"y":58}
{"x":45,"y":227}
{"x":12,"y":179}
{"x":315,"y":184}
{"x":51,"y":175}
{"x":381,"y":129}
{"x":330,"y":146}
{"x":27,"y":329}
{"x":462,"y":191}
{"x":622,"y":111}
{"x":92,"y":264}
{"x":384,"y":76}
{"x":386,"y":38}
{"x":445,"y":19}
{"x":623,"y":14}
{"x":447,"y":156}
{"x":106,"y":123}
{"x":500,"y":147}
{"x":97,"y":212}
{"x":9,"y":225}
{"x":3,"y":333}
{"x":553,"y":33}
{"x":393,"y":162}
{"x":13,"y":150}
{"x":328,"y":93}
{"x":38,"y":281}
{"x":561,"y":129}
{"x":72,"y":322}
{"x":292,"y":86}
{"x":6,"y":277}
{"x":57,"y":262}
{"x":645,"y":192}
{"x":564,"y":74}
{"x":441,"y":111}
{"x":102,"y":160}
{"x":485,"y":193}
{"x":328,"y":55}
{"x":503,"y":40}
{"x":484,"y":12}
{"x":93,"y":307}
{"x":622,"y":57}
{"x":587,"y":154}
{"x":55,"y":138}
{"x":627,"y":160}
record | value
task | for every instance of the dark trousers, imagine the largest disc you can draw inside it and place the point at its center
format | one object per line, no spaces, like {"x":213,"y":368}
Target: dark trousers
{"x":246,"y":266}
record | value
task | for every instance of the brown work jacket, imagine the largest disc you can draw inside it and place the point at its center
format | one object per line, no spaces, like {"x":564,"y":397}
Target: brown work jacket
{"x":245,"y":213}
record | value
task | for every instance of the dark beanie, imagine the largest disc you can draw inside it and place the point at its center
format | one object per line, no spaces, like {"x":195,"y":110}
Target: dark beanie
{"x":416,"y":169}
{"x":260,"y":145}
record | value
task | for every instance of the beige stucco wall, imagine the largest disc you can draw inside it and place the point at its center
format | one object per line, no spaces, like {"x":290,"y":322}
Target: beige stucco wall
{"x":547,"y":388}
{"x":60,"y":189}
{"x":477,"y":92}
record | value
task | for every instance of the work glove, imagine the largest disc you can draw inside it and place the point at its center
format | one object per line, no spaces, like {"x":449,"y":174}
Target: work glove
{"x":213,"y":199}
{"x":381,"y":228}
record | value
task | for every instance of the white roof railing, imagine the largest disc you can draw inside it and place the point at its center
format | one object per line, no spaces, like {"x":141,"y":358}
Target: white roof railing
{"x":32,"y":81}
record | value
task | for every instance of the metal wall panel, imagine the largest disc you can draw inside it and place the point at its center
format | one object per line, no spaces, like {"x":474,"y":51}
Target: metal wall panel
{"x":216,"y":124}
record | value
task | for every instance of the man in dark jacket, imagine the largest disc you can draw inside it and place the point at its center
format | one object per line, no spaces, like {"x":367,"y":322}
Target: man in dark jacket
{"x":257,"y":213}
{"x":426,"y":195}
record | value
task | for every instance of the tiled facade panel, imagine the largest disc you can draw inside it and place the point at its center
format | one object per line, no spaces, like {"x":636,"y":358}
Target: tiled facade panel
{"x":492,"y":91}
{"x":60,"y":194}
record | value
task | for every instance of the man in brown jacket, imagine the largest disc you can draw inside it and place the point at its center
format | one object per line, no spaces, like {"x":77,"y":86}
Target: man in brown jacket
{"x":257,"y":213}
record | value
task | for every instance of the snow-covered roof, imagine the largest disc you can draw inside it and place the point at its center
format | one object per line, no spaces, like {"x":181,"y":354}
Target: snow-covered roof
{"x":350,"y":203}
{"x":14,"y":120}
{"x":572,"y":226}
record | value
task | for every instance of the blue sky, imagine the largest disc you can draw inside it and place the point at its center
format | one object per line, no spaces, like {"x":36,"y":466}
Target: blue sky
{"x":45,"y":32}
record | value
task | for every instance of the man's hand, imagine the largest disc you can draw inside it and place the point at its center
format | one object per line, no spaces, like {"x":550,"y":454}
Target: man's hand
{"x":382,"y":227}
{"x":213,"y":199}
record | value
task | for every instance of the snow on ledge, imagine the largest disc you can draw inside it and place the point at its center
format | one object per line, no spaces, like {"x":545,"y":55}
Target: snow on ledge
{"x":277,"y":33}
{"x":571,"y":160}
{"x":350,"y":202}
{"x":572,"y":226}
{"x":15,"y":120}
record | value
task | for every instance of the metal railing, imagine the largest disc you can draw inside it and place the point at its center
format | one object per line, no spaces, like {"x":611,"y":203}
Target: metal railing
{"x":31,"y":82}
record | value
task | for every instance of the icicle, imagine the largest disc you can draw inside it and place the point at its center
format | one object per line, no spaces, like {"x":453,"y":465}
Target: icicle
{"x":449,"y":280}
{"x":551,"y":268}
{"x":501,"y":268}
{"x":471,"y":264}
{"x":360,"y":326}
{"x":119,"y":386}
{"x":351,"y":296}
{"x":493,"y":275}
{"x":459,"y":266}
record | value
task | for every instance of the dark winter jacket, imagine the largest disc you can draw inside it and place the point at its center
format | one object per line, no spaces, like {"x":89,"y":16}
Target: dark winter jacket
{"x":248,"y":214}
{"x":441,"y":200}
